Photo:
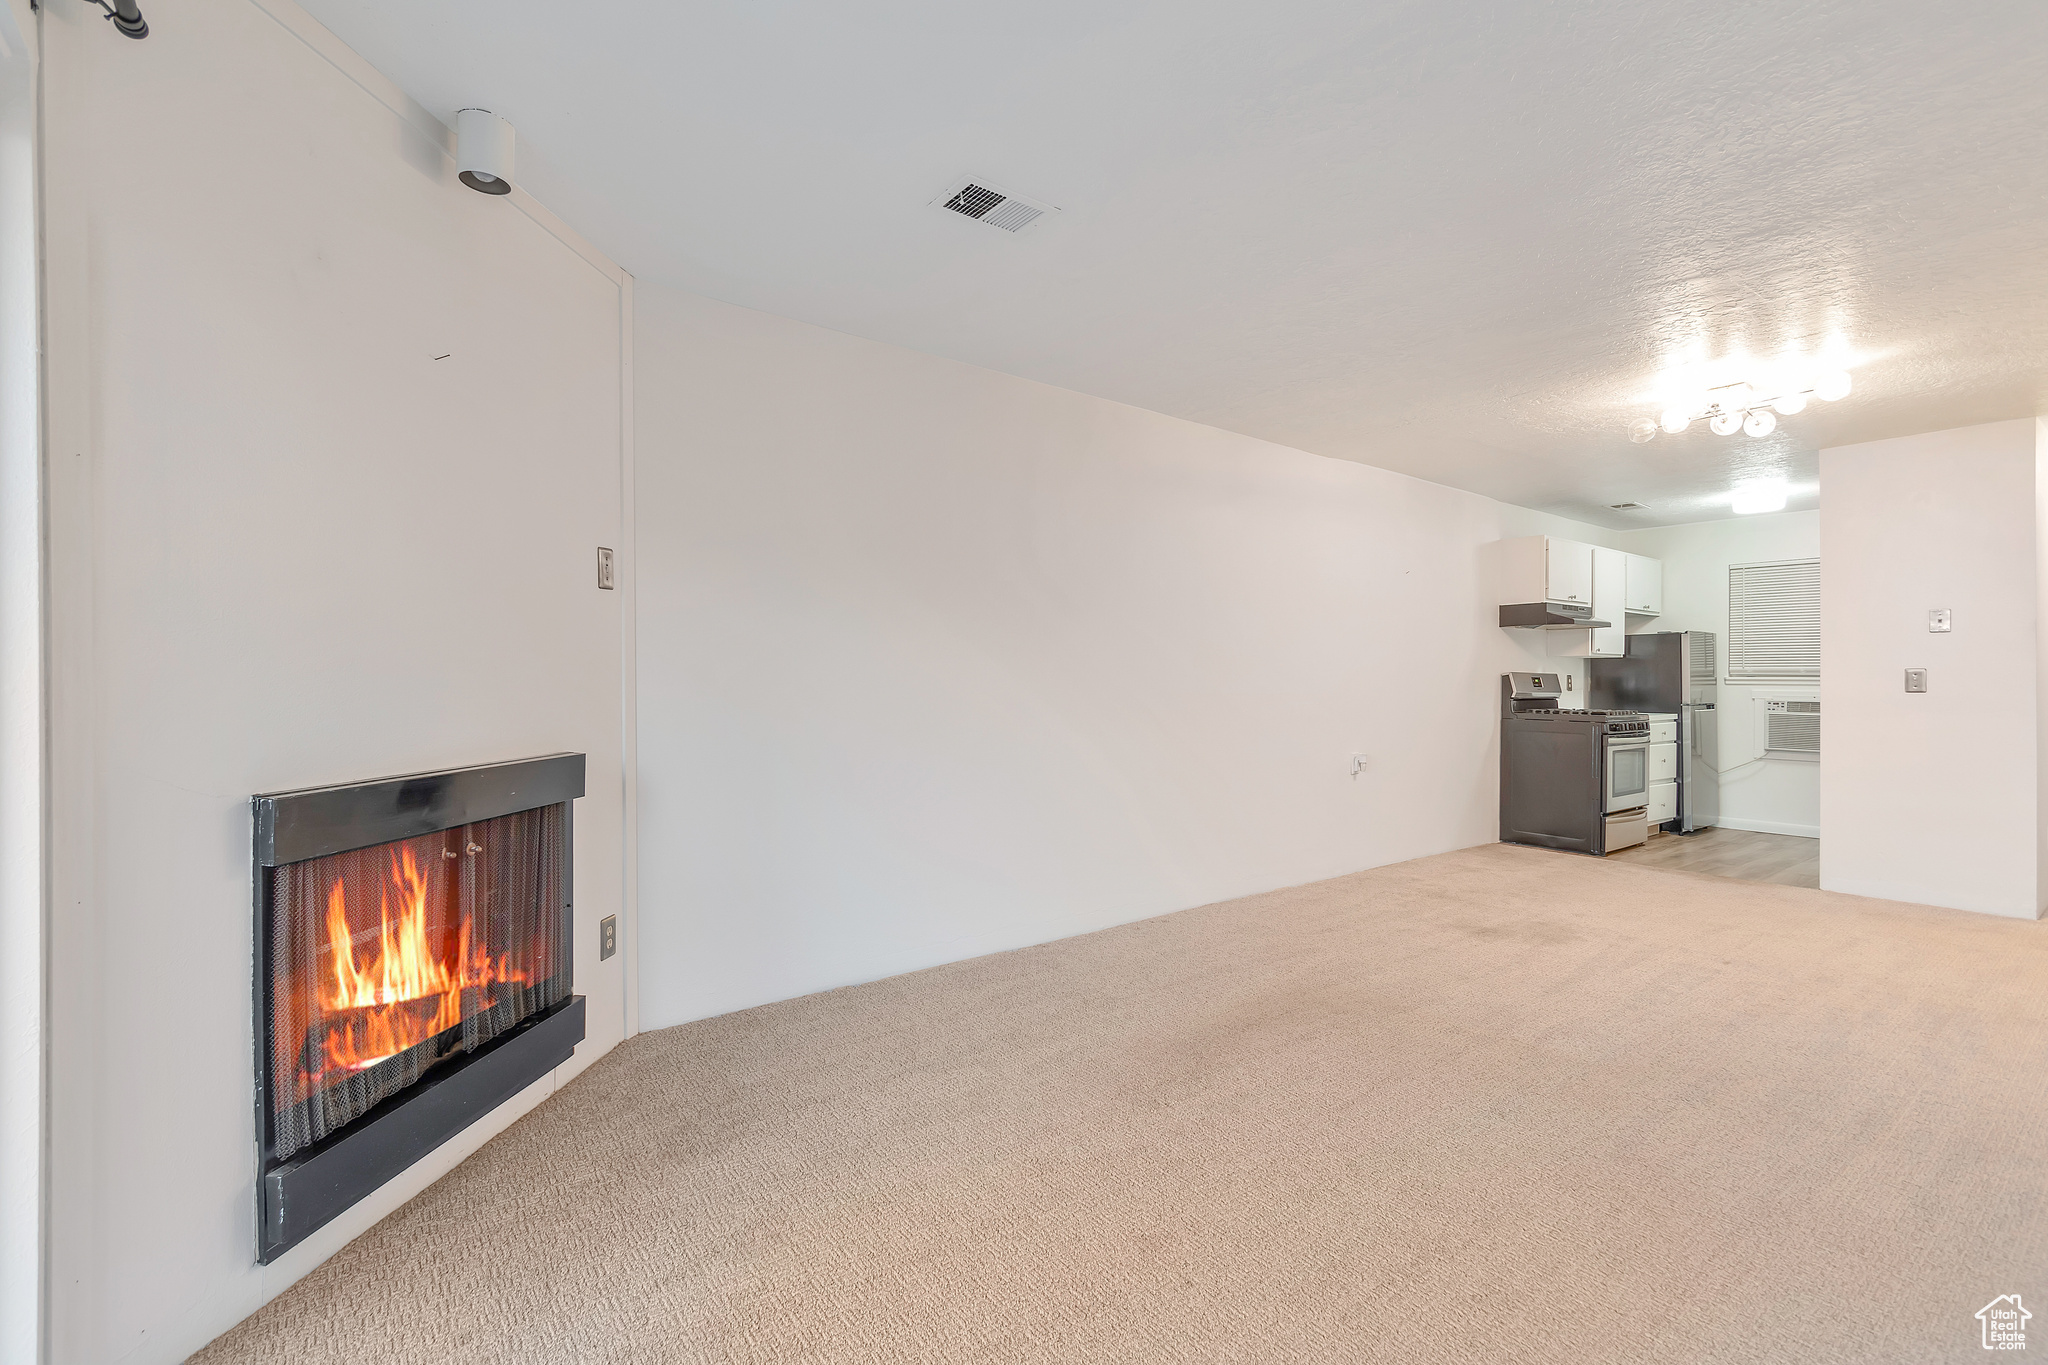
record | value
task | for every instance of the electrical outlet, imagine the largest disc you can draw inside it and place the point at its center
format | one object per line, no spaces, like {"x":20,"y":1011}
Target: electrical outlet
{"x":1916,"y":680}
{"x":604,"y":568}
{"x":607,"y":937}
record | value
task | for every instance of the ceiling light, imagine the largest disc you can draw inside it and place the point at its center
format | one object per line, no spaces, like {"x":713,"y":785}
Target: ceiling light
{"x":1759,"y":495}
{"x":1740,"y":407}
{"x":483,"y":151}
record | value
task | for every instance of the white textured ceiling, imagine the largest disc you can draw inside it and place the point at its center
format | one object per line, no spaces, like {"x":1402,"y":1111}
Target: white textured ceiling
{"x":1462,"y":239}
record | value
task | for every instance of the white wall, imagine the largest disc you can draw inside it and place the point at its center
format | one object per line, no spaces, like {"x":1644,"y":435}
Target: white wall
{"x":21,"y":718}
{"x":287,"y":546}
{"x":935,"y":661}
{"x":1933,"y":798}
{"x":2040,"y":576}
{"x":1776,"y":795}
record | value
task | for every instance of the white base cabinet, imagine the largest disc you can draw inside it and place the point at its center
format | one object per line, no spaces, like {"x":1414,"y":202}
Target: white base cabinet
{"x":1663,"y":802}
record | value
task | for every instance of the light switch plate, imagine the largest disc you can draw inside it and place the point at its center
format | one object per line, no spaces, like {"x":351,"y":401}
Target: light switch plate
{"x":1940,"y":621}
{"x":604,"y":567}
{"x":1916,"y":680}
{"x":607,"y":937}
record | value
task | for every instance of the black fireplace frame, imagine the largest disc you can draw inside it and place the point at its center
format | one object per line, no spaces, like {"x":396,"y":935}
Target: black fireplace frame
{"x":299,"y":1194}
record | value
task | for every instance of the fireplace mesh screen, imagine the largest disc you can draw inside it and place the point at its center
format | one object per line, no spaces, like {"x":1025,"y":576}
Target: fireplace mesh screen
{"x":387,"y":960}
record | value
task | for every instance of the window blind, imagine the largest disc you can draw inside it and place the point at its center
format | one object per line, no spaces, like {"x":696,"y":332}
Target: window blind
{"x":1774,"y":620}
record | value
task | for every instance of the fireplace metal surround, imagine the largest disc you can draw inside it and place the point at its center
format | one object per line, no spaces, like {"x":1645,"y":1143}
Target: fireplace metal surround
{"x":301,"y":1184}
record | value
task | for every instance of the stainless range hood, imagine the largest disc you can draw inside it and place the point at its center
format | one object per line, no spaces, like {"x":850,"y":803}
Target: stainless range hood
{"x":1551,"y":616}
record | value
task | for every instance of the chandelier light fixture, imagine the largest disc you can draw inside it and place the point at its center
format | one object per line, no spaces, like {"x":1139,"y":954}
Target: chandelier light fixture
{"x":1740,"y":407}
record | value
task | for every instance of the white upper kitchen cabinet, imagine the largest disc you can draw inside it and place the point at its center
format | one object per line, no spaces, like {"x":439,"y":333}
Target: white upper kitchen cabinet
{"x":1544,"y":569}
{"x":1567,"y":571}
{"x":1610,"y":589}
{"x":1610,"y":595}
{"x":1645,"y":586}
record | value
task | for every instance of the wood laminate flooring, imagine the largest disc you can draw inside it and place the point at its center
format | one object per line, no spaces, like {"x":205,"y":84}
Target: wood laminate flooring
{"x":1785,"y":859}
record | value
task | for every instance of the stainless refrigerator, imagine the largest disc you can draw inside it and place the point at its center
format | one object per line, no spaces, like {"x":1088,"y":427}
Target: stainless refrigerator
{"x":1672,"y":672}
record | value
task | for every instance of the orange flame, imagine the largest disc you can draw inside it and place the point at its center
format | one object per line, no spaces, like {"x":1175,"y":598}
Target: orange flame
{"x":413,"y":988}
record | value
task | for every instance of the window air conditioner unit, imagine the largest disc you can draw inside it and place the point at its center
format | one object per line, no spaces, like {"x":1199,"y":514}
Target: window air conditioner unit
{"x":1788,"y":727}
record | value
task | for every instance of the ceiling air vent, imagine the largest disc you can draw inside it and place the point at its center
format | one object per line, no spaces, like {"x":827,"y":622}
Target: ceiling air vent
{"x":1625,"y":506}
{"x":984,"y":203}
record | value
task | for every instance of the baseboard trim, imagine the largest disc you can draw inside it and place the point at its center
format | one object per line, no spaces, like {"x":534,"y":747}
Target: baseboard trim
{"x":1769,"y":827}
{"x":1937,"y":897}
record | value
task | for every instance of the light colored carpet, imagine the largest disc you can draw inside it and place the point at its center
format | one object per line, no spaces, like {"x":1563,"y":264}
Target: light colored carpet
{"x":1499,"y":1105}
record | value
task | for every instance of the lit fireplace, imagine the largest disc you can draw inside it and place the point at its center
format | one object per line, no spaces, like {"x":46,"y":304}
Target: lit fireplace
{"x":406,"y":985}
{"x":427,"y":972}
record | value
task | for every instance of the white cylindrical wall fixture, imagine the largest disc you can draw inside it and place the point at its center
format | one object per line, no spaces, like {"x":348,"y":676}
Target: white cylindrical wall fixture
{"x":483,"y":151}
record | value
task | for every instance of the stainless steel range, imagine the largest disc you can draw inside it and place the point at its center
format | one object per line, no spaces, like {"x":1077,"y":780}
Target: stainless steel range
{"x":1575,"y":780}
